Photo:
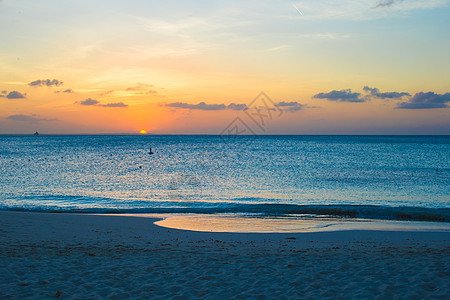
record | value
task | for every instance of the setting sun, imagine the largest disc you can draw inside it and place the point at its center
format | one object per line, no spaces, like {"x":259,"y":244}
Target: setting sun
{"x":143,"y":131}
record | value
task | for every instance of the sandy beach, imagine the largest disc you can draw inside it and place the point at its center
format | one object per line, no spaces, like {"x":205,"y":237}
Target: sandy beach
{"x":91,"y":256}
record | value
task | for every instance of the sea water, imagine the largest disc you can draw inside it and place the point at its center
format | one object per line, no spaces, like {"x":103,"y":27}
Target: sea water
{"x":369,"y":177}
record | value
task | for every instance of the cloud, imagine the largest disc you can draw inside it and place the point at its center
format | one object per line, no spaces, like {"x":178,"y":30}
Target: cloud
{"x":118,"y":104}
{"x":70,"y":91}
{"x":290,"y":106}
{"x":329,"y":36}
{"x":4,"y":92}
{"x":286,"y":106}
{"x":276,"y":48}
{"x":46,"y":82}
{"x":200,"y":106}
{"x":108,"y":92}
{"x":370,"y":90}
{"x":364,"y":9}
{"x":386,"y":3}
{"x":141,"y":89}
{"x":234,"y":106}
{"x":342,"y":95}
{"x":425,"y":101}
{"x":93,"y":102}
{"x":205,"y":106}
{"x":89,"y":102}
{"x":25,"y":118}
{"x":15,"y":95}
{"x":386,"y":95}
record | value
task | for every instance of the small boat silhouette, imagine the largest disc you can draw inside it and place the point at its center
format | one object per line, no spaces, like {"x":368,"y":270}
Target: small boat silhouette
{"x":36,"y":133}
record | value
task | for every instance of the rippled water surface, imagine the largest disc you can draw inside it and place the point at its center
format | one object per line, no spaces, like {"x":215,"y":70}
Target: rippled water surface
{"x":268,"y":174}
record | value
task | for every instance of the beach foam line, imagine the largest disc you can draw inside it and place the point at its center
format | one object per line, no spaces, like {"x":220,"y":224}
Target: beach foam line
{"x":45,"y":255}
{"x":377,"y":212}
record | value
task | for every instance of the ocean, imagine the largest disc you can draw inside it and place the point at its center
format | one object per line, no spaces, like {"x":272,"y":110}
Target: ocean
{"x":361,"y":177}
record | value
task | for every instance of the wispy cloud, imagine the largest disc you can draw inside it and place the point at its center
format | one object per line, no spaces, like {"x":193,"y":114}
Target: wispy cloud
{"x":117,"y":104}
{"x":362,"y":9}
{"x":108,"y":92}
{"x":325,"y":36}
{"x":14,"y":82}
{"x":177,"y":37}
{"x":386,"y":3}
{"x":276,"y":48}
{"x":426,"y":101}
{"x":68,"y":91}
{"x":141,"y":89}
{"x":26,"y":118}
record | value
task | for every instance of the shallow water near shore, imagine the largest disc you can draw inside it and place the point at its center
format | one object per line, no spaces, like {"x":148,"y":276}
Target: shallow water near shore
{"x":257,"y":224}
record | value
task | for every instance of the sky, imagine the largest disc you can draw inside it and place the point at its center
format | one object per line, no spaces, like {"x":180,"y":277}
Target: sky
{"x":225,"y":67}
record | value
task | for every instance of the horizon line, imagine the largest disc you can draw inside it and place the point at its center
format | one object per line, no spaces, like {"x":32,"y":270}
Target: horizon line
{"x":208,"y":134}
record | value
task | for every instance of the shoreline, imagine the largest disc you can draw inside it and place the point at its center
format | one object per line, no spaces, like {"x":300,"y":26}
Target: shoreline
{"x":287,"y":224}
{"x":260,"y":223}
{"x":69,"y":255}
{"x":363,"y":213}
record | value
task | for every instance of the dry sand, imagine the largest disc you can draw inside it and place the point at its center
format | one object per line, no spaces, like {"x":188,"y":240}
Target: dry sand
{"x":87,"y":256}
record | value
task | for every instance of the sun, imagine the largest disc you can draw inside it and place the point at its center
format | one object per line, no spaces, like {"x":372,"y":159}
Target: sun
{"x":143,"y":131}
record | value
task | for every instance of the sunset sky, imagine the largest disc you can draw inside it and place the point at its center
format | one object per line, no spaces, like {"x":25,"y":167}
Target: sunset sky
{"x":193,"y":67}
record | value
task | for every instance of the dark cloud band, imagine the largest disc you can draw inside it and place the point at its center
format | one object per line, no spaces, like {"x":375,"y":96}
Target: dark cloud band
{"x":426,"y":101}
{"x":200,"y":106}
{"x":286,"y":106}
{"x":292,"y":106}
{"x":386,"y":95}
{"x":342,"y":95}
{"x":93,"y":102}
{"x":205,"y":106}
{"x":26,"y":118}
{"x":118,"y":104}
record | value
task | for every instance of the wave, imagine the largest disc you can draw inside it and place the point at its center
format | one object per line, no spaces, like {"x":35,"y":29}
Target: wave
{"x":403,"y":213}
